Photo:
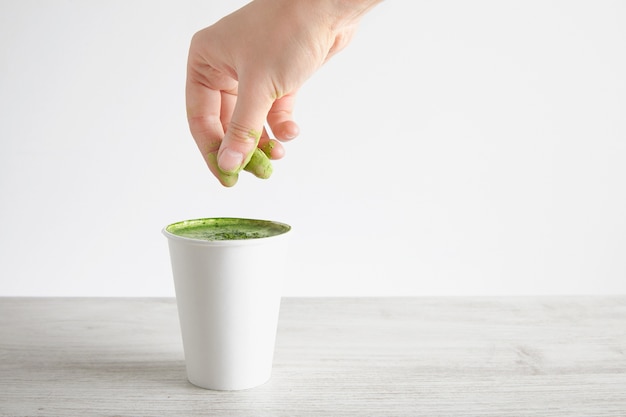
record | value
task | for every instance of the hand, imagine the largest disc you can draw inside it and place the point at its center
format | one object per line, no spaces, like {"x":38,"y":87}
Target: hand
{"x":246,"y":69}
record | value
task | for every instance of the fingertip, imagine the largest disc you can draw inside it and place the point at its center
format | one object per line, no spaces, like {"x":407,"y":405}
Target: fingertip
{"x":273,"y":149}
{"x":226,"y":179}
{"x":286,"y":130}
{"x":260,"y":165}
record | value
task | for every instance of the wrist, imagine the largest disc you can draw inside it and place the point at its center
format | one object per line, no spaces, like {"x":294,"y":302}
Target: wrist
{"x":335,"y":13}
{"x":349,"y":11}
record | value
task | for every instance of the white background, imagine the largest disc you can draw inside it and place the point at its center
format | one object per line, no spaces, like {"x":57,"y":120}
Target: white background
{"x":455,"y":148}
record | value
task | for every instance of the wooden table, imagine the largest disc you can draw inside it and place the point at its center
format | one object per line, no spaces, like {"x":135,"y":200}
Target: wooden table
{"x":539,"y":356}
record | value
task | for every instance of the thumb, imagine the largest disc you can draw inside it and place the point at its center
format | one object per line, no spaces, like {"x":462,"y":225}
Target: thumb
{"x":244,"y":130}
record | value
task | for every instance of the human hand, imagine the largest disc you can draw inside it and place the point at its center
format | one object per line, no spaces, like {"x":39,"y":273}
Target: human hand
{"x":246,"y":69}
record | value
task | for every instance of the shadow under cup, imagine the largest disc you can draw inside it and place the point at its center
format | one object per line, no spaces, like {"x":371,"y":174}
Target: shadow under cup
{"x":228,"y":275}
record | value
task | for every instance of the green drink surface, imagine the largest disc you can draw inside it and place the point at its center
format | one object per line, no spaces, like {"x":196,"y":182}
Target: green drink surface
{"x":227,"y":229}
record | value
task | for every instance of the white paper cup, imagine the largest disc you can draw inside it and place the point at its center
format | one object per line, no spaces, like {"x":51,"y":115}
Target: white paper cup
{"x":228,"y":296}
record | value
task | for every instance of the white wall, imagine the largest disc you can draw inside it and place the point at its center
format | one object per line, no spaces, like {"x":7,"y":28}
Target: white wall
{"x":456,"y":147}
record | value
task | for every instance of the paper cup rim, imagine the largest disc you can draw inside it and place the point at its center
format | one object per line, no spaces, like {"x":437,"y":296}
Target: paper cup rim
{"x":226,"y":242}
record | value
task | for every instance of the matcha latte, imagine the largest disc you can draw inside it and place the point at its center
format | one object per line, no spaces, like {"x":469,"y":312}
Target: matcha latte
{"x":228,"y":279}
{"x":226,"y":228}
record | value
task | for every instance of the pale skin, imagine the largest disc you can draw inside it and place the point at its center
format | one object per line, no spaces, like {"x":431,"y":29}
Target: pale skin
{"x":245,"y":70}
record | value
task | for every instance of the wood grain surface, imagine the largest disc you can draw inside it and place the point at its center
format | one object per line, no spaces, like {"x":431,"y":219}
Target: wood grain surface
{"x":535,"y":356}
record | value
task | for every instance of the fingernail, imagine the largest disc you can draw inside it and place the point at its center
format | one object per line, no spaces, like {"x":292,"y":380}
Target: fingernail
{"x":230,"y":161}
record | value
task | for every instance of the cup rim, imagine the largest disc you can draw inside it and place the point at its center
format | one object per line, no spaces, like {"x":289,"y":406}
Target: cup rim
{"x":226,"y":242}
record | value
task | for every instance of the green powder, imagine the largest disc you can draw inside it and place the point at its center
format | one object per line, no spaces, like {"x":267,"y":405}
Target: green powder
{"x":259,"y":164}
{"x":226,"y":228}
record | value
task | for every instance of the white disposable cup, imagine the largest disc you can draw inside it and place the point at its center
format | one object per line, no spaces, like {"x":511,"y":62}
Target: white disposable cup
{"x":228,"y":296}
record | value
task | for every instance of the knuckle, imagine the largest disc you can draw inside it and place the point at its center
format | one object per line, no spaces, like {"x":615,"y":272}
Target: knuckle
{"x":243,"y":134}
